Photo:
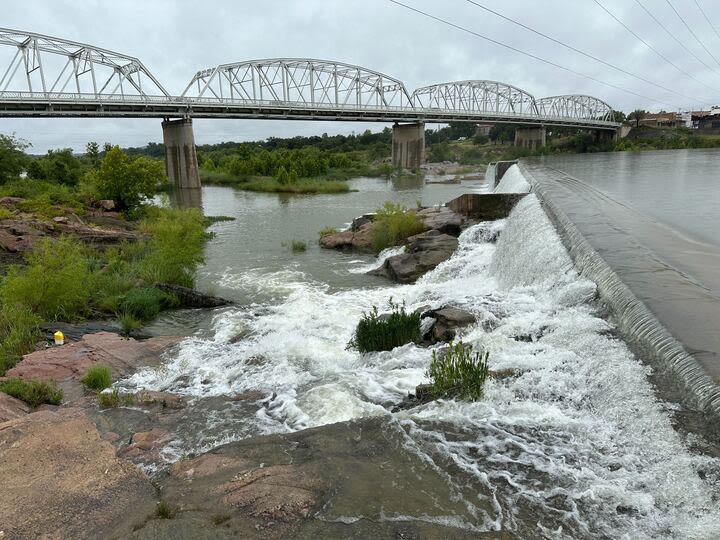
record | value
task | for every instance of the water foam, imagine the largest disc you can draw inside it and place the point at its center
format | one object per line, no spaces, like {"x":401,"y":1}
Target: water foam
{"x":577,"y":439}
{"x":512,"y":181}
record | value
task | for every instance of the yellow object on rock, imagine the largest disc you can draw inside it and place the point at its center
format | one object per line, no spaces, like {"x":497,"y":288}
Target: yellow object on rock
{"x":59,"y":338}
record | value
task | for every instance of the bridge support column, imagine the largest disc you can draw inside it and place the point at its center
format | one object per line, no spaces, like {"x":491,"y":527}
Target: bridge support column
{"x":408,"y":146}
{"x":530,"y":138}
{"x":181,"y":163}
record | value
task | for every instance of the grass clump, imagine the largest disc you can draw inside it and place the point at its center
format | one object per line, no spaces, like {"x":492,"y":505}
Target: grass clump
{"x":393,"y":224}
{"x":460,"y":372}
{"x":34,"y":393}
{"x":219,"y":519}
{"x":109,"y":400}
{"x":327,"y":231}
{"x":128,"y":323}
{"x":296,"y":246}
{"x":97,"y":377}
{"x":384,"y":332}
{"x":19,"y":331}
{"x":165,"y":510}
{"x":146,"y":303}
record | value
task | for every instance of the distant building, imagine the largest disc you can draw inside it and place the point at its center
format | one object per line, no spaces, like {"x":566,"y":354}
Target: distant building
{"x":709,"y":123}
{"x":662,"y":119}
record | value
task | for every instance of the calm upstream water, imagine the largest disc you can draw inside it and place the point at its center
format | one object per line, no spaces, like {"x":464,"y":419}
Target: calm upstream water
{"x":679,"y":188}
{"x":576,"y":446}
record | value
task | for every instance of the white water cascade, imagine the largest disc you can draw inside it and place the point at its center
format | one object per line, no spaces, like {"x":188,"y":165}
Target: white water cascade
{"x":576,"y":440}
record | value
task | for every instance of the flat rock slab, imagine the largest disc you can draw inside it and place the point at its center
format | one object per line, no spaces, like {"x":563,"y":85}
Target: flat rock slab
{"x":12,"y":408}
{"x":443,"y":219}
{"x":425,"y":252}
{"x":346,"y":480}
{"x":70,"y":361}
{"x":61,"y":480}
{"x":485,"y":206}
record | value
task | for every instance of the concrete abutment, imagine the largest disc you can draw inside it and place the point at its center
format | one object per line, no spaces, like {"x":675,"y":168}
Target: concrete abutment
{"x":181,"y":164}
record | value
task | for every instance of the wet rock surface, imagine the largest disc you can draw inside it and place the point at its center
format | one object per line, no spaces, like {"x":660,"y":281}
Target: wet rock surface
{"x":61,"y":480}
{"x":447,"y":322}
{"x":443,"y":219}
{"x":190,"y":298}
{"x":425,"y":252}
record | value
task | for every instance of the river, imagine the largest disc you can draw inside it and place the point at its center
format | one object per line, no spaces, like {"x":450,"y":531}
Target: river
{"x":576,"y":446}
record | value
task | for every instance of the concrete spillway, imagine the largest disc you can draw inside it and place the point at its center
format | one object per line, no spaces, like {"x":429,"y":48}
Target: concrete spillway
{"x":662,"y":288}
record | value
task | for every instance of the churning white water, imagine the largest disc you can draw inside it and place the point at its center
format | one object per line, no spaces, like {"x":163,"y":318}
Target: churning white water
{"x":576,"y":444}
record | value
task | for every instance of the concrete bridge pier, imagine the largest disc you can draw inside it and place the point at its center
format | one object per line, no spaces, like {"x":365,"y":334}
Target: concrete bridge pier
{"x":181,"y":164}
{"x":408,"y":145}
{"x":531,"y":138}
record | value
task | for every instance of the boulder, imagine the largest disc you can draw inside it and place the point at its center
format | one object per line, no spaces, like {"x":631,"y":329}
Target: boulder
{"x":11,"y":201}
{"x":425,"y":252}
{"x":166,"y":400}
{"x":359,"y":239}
{"x":358,"y":222}
{"x":485,"y":206}
{"x":442,"y":219}
{"x":339,"y":240}
{"x":105,"y":204}
{"x":448,"y":320}
{"x":191,"y":298}
{"x":11,"y":408}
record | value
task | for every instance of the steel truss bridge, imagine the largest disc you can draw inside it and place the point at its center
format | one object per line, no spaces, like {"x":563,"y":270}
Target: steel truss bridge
{"x":44,"y":76}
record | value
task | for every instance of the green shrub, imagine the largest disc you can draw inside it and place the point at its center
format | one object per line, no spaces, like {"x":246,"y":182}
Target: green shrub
{"x":175,"y":248}
{"x":97,"y":377}
{"x":34,"y":393}
{"x":53,"y":284}
{"x":377,"y":332}
{"x":109,"y":400}
{"x":459,"y":372}
{"x":19,"y":331}
{"x":144,"y":304}
{"x":165,"y":510}
{"x":393,"y":224}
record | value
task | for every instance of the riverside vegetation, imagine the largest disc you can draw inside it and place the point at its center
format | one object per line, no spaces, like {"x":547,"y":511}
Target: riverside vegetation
{"x":64,"y":279}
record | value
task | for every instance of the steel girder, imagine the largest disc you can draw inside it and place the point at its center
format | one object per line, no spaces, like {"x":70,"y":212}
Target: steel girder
{"x":46,"y":66}
{"x":576,"y":107}
{"x":476,"y":96}
{"x":299,"y":81}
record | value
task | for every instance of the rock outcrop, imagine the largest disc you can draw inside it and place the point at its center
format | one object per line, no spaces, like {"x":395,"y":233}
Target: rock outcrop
{"x":448,"y":320}
{"x":425,"y":252}
{"x":12,"y":408}
{"x":359,"y":239}
{"x":443,"y":219}
{"x":190,"y":298}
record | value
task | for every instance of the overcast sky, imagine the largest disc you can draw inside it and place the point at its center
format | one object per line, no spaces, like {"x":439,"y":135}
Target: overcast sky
{"x":176,"y":38}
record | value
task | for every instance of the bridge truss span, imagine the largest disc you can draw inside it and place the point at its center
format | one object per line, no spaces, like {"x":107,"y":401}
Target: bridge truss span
{"x":299,"y":82}
{"x":38,"y":66}
{"x":477,"y":97}
{"x":576,"y":107}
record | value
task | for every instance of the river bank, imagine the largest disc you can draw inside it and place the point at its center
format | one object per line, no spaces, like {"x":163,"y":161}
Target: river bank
{"x":575,"y":444}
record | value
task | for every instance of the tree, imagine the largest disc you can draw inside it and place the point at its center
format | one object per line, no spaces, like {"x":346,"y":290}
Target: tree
{"x":637,"y":115}
{"x":59,"y":166}
{"x":618,"y":116}
{"x":127,"y":181}
{"x":13,"y":159}
{"x":282,"y":176}
{"x":502,"y":133}
{"x":92,"y":153}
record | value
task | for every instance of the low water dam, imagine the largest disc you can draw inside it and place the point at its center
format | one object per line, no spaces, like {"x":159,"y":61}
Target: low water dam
{"x":585,"y":438}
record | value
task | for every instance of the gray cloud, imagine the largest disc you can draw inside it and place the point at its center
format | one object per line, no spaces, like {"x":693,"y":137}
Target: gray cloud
{"x":176,"y":38}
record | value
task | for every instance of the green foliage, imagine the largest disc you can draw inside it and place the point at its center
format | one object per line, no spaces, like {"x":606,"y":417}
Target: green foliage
{"x":459,"y":372}
{"x":13,"y":159}
{"x":472,"y":156}
{"x":92,"y":154}
{"x":53,"y":284}
{"x":441,"y":152}
{"x":377,"y":332}
{"x":296,"y":246}
{"x":97,"y":377}
{"x":34,"y":393}
{"x":19,"y":331}
{"x":281,"y":176}
{"x":59,"y":166}
{"x":326,"y":231}
{"x":109,"y":400}
{"x":144,"y":304}
{"x":125,"y":180}
{"x":393,"y":224}
{"x":5,"y":213}
{"x":176,"y":247}
{"x":165,"y":510}
{"x":480,"y":139}
{"x":128,"y":323}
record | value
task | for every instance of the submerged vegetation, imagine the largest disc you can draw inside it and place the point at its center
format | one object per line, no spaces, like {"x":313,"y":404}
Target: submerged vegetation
{"x":459,"y":372}
{"x":296,"y":246}
{"x":384,"y":332}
